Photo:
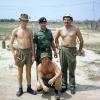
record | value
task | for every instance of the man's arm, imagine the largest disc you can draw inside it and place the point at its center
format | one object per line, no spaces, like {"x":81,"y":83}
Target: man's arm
{"x":54,"y":49}
{"x":40,"y":76}
{"x":33,"y":47}
{"x":56,"y":39}
{"x":53,"y":46}
{"x":57,"y":74}
{"x":79,"y":35}
{"x":12,"y":41}
{"x":57,"y":71}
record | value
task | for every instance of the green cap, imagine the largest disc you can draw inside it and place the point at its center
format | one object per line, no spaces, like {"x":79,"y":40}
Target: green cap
{"x":24,"y":17}
{"x":43,"y":55}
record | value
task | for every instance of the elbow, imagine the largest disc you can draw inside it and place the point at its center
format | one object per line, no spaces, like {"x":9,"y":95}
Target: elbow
{"x":60,"y":74}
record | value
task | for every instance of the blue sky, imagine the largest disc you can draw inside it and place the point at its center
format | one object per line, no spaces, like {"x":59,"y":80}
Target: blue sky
{"x":51,"y":9}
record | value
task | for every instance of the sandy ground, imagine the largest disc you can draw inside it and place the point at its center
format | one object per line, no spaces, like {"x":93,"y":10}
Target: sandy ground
{"x":85,"y":89}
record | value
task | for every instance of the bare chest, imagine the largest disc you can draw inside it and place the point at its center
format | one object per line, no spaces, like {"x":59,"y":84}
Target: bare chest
{"x":68,"y":33}
{"x":23,"y":34}
{"x":47,"y":71}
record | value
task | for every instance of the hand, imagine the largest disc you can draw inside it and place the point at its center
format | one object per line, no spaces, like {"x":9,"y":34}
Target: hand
{"x":55,"y":54}
{"x":33,"y":58}
{"x":51,"y":81}
{"x":81,"y":53}
{"x":78,"y":53}
{"x":45,"y":89}
{"x":14,"y":53}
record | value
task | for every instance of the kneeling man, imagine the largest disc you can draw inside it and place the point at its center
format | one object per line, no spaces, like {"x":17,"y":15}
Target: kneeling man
{"x":49,"y":74}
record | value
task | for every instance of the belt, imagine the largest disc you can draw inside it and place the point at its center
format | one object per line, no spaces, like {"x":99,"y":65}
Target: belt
{"x":67,"y":46}
{"x":44,"y":49}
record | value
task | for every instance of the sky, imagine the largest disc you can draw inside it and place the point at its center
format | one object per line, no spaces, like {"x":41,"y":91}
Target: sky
{"x":51,"y":9}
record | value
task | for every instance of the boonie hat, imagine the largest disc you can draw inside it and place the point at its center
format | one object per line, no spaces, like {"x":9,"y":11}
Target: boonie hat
{"x":43,"y":55}
{"x":24,"y":17}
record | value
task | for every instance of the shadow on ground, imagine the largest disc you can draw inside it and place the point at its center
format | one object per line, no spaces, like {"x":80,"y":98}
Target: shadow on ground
{"x":51,"y":94}
{"x":87,"y":87}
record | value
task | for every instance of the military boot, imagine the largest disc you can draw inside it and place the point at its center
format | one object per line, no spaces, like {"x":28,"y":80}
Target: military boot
{"x":19,"y":92}
{"x":57,"y":96}
{"x":30,"y":90}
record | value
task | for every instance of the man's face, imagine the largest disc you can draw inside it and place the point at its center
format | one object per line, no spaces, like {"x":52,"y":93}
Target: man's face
{"x":45,"y":60}
{"x":43,"y":25}
{"x":67,"y":21}
{"x":23,"y":23}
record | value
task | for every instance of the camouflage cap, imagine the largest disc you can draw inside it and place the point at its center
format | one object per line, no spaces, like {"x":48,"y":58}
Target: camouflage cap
{"x":24,"y":17}
{"x":43,"y":55}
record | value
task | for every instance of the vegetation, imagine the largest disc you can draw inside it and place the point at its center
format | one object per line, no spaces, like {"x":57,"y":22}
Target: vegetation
{"x":94,"y":46}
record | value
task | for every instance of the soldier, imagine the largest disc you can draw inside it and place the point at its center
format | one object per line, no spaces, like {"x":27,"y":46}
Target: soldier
{"x":24,"y":54}
{"x":68,"y":34}
{"x":43,"y":39}
{"x":49,"y":75}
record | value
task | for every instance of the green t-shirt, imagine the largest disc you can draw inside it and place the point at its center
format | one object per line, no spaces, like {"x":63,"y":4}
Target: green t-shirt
{"x":43,"y":39}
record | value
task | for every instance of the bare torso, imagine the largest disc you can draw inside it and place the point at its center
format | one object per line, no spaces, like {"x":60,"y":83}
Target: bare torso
{"x":68,"y":36}
{"x":47,"y":72}
{"x":23,"y":37}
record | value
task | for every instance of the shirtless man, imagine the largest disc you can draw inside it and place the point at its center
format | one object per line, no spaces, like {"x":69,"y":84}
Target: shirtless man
{"x":49,"y":74}
{"x":24,"y":54}
{"x":68,"y":34}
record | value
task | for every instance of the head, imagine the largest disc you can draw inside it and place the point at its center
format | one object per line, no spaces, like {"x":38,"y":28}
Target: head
{"x":67,"y":19}
{"x":43,"y":23}
{"x":24,"y":20}
{"x":45,"y":58}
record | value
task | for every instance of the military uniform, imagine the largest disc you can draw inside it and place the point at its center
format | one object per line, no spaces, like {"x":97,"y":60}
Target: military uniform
{"x":68,"y":61}
{"x":43,"y":40}
{"x":23,"y":56}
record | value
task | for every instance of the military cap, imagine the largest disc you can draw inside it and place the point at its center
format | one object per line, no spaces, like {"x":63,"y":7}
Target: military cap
{"x":43,"y":55}
{"x":24,"y":17}
{"x":42,"y":19}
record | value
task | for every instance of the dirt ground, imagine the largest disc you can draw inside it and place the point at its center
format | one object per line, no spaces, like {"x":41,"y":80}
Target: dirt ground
{"x":88,"y":67}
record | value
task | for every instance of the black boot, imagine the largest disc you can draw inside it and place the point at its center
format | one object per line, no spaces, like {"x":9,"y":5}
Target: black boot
{"x":57,"y":94}
{"x":63,"y":89}
{"x":30,"y":90}
{"x":20,"y":92}
{"x":72,"y":90}
{"x":44,"y":92}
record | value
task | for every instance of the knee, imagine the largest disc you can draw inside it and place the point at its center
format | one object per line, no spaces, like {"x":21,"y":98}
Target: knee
{"x":38,"y":86}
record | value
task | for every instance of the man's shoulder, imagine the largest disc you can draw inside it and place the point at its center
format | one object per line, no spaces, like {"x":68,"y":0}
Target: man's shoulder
{"x":39,"y":67}
{"x":61,"y":28}
{"x":36,"y":31}
{"x":53,"y":64}
{"x":15,"y":30}
{"x":75,"y":26}
{"x":29,"y":30}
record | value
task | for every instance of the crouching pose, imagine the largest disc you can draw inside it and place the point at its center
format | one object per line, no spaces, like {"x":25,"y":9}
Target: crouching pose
{"x":49,"y":75}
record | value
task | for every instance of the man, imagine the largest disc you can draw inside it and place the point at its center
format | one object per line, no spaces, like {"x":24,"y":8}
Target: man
{"x":49,"y":74}
{"x":24,"y":54}
{"x":43,"y":39}
{"x":68,"y":34}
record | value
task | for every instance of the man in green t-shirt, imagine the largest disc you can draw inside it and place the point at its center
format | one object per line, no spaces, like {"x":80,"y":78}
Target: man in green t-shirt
{"x":44,"y":41}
